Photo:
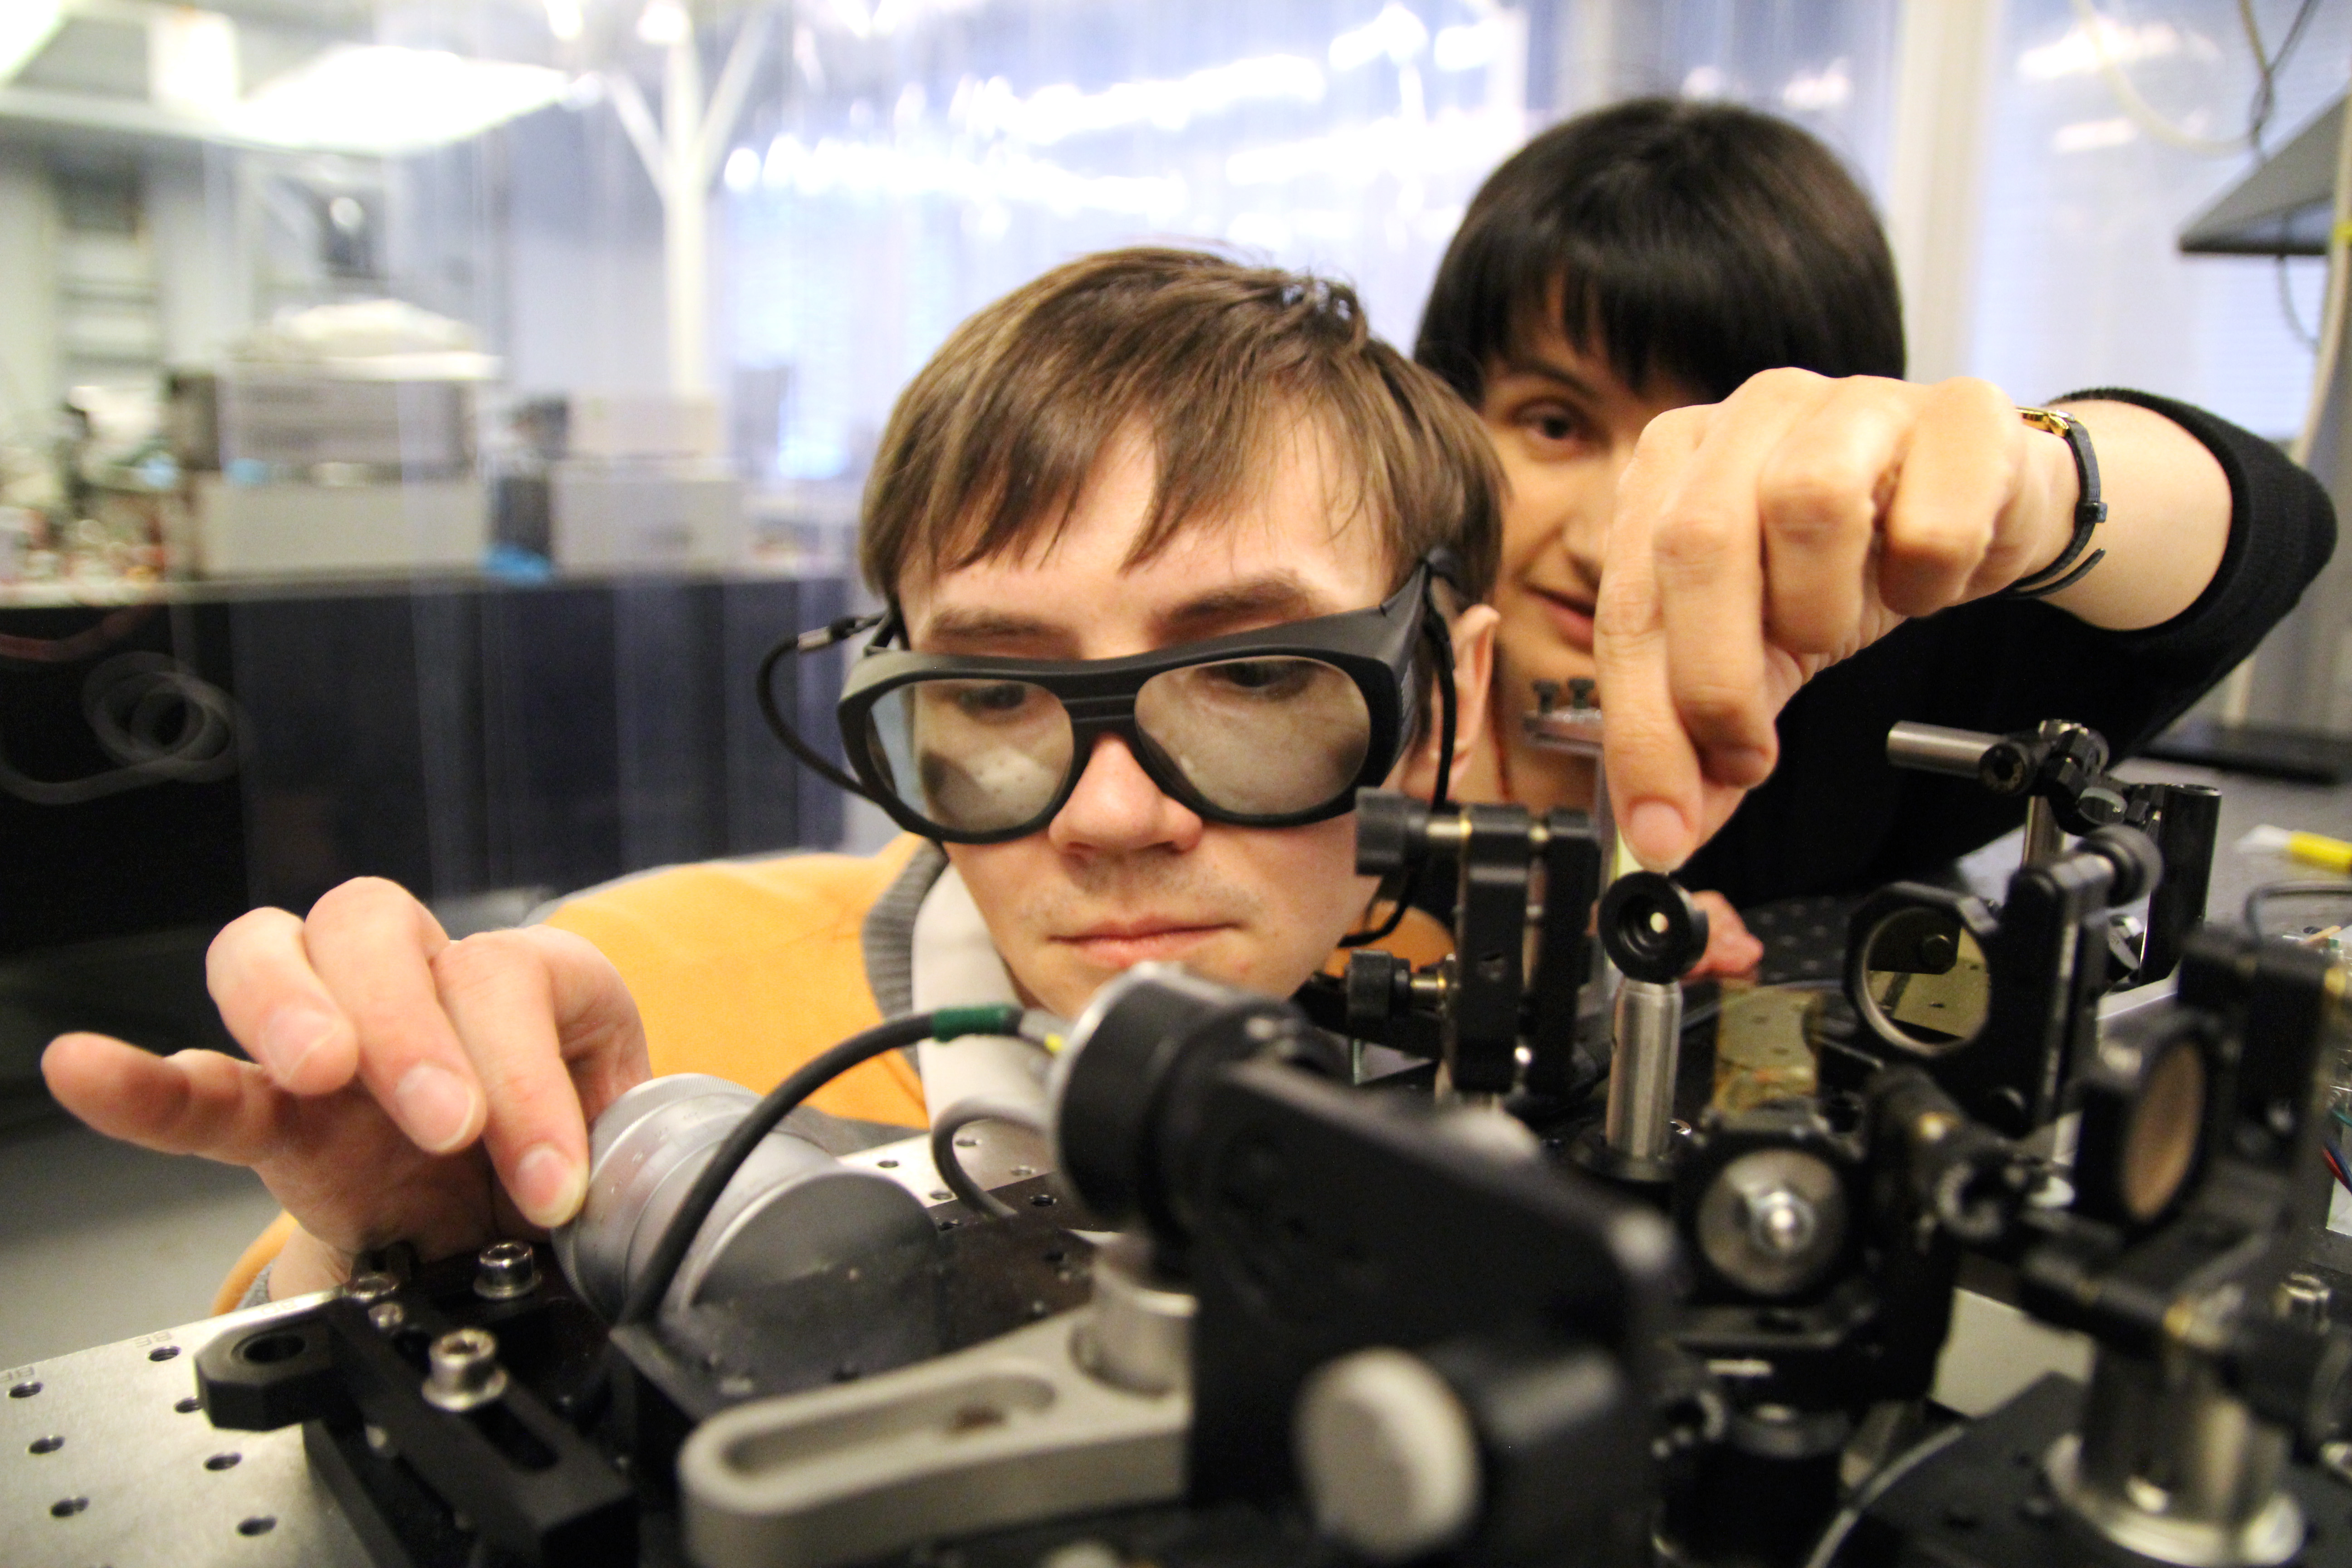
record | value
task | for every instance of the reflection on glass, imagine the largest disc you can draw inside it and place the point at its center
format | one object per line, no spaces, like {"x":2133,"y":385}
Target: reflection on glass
{"x":1262,"y":737}
{"x":1925,"y":978}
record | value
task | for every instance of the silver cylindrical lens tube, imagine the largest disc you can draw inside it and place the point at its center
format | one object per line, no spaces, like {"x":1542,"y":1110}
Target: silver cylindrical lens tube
{"x":1932,"y":749}
{"x":2171,"y":1466}
{"x":1641,"y":1064}
{"x":792,"y":1210}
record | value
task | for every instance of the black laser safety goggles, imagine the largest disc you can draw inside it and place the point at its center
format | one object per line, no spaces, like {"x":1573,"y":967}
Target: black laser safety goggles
{"x":1270,"y":727}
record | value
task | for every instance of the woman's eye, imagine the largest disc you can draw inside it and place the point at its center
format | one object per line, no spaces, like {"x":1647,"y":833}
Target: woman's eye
{"x":1551,"y":425}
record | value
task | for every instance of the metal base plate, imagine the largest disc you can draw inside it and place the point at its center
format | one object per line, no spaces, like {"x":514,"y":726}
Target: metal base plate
{"x":138,"y":1477}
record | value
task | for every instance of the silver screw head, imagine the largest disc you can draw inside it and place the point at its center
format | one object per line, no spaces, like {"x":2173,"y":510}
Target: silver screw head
{"x":388,"y":1317}
{"x":1780,"y":1224}
{"x":2304,"y":1299}
{"x":370,"y":1287}
{"x":466,"y":1371}
{"x":504,"y":1270}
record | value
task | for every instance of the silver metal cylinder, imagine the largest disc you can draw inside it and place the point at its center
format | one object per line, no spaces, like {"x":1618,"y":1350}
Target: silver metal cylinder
{"x":1932,"y":749}
{"x":1138,"y":1330}
{"x":2043,"y":837}
{"x":2174,"y":1467}
{"x":792,"y":1210}
{"x":1642,"y":1064}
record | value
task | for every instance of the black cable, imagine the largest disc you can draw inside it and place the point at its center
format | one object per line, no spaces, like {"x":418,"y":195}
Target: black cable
{"x":1435,"y":630}
{"x":2269,"y":890}
{"x":2267,"y":68}
{"x":645,"y":1296}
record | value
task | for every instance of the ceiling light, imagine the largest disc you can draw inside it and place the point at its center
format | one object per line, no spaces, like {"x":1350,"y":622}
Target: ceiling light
{"x":192,"y":60}
{"x":565,"y":20}
{"x":26,"y":28}
{"x":376,"y":98}
{"x":663,"y":23}
{"x":1396,"y":32}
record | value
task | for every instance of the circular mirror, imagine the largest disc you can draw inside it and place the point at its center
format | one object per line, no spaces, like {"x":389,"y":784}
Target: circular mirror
{"x":1923,"y":979}
{"x":2160,"y":1141}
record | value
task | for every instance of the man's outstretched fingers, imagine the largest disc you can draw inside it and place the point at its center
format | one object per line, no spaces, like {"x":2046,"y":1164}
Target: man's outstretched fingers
{"x":497,"y":990}
{"x":193,"y":1103}
{"x":275,"y":1005}
{"x":373,"y":944}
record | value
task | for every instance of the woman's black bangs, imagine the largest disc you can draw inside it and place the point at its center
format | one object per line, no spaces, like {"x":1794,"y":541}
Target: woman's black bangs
{"x":1645,"y":302}
{"x":1691,"y":248}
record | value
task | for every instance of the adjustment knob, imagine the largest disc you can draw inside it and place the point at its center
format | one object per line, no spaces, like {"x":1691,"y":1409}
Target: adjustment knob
{"x":1376,"y":987}
{"x":1387,"y":1455}
{"x":2137,"y":861}
{"x":1392,"y":832}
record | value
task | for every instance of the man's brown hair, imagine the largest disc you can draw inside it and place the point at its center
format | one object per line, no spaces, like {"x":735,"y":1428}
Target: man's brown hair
{"x":990,"y":447}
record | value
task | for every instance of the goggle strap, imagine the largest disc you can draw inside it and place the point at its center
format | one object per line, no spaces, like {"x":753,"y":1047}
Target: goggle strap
{"x":810,"y":642}
{"x":836,"y":631}
{"x":1442,"y":640}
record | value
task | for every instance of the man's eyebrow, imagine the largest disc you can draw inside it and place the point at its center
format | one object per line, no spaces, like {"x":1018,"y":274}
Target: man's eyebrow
{"x":1262,"y":601}
{"x":978,"y":624}
{"x":1233,"y":606}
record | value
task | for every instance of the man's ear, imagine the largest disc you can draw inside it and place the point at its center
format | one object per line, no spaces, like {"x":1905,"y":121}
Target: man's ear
{"x":1474,"y":668}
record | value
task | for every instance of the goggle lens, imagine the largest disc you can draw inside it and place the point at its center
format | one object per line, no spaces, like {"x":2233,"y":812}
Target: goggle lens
{"x":1252,"y":737}
{"x":1258,"y":737}
{"x":973,"y":756}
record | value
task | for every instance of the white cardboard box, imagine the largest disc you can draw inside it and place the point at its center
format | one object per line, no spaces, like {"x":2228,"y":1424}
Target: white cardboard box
{"x":634,"y":516}
{"x":300,"y":530}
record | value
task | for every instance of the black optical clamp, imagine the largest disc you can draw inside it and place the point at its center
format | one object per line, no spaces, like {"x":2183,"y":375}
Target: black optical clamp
{"x":2059,"y":768}
{"x":1501,"y":1012}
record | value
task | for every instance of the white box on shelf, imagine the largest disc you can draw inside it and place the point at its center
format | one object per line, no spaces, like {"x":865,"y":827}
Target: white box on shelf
{"x":618,"y":427}
{"x":303,"y":529}
{"x":636,"y":516}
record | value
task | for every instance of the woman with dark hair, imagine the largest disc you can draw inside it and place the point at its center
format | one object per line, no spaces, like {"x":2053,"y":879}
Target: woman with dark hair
{"x":1767,"y":568}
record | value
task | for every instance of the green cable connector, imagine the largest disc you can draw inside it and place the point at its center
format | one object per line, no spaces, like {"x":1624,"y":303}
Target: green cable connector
{"x":995,"y":1018}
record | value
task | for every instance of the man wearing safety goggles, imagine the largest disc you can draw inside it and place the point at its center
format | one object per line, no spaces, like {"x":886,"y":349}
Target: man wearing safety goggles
{"x":1177,"y":557}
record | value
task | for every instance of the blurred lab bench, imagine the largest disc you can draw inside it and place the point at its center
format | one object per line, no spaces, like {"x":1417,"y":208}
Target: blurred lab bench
{"x":483,"y":743}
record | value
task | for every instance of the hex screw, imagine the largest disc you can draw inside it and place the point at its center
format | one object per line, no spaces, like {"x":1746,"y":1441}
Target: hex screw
{"x":2304,"y":1299}
{"x":466,"y":1371}
{"x":504,"y":1270}
{"x":370,"y":1287}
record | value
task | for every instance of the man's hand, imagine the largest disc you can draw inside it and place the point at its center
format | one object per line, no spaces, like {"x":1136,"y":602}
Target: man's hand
{"x":1731,"y":948}
{"x":1759,"y":539}
{"x":402,"y":1087}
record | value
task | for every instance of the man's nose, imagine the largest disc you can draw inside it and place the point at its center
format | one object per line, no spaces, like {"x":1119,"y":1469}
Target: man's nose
{"x":1117,"y":807}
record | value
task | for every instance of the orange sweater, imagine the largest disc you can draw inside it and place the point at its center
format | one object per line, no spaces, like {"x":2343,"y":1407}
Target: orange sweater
{"x":746,"y":969}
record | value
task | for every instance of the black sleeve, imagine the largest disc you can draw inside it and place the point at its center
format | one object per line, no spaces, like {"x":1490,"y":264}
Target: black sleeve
{"x":1836,"y":817}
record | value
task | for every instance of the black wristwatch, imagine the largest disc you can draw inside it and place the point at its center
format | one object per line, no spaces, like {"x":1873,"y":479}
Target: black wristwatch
{"x":2089,"y":510}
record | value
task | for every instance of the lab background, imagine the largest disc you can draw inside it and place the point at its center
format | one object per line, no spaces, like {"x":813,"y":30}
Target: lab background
{"x":416,"y":420}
